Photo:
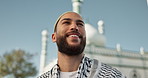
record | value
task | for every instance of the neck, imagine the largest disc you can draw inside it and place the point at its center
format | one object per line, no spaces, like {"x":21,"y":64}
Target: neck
{"x":69,"y":63}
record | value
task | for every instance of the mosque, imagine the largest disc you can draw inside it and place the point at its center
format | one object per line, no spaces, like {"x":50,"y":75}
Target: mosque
{"x":130,"y":63}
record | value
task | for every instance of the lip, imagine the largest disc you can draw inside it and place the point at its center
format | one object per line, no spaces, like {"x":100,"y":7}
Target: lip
{"x":77,"y":34}
{"x":74,"y":36}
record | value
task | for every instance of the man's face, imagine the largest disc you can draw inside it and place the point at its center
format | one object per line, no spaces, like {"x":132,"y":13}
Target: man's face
{"x":70,"y":34}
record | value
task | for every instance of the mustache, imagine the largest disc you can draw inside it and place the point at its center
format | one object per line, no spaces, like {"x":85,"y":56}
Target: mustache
{"x":74,"y":32}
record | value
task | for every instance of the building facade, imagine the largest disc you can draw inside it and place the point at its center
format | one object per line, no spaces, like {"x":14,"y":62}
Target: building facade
{"x":130,"y":63}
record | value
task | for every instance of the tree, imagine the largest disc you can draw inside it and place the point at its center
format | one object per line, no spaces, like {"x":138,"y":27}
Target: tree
{"x":18,"y":64}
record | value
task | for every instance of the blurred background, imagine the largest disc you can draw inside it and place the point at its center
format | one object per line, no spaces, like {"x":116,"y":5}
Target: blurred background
{"x":22,"y":21}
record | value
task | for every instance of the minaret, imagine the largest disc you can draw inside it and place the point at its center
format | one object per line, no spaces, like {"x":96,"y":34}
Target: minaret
{"x":43,"y":51}
{"x":141,"y":50}
{"x":77,"y":6}
{"x":118,"y":47}
{"x":101,"y":27}
{"x":147,"y":2}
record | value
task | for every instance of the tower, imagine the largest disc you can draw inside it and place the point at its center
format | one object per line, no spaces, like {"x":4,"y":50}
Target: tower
{"x":43,"y":51}
{"x":147,"y":2}
{"x":101,"y":27}
{"x":77,"y":6}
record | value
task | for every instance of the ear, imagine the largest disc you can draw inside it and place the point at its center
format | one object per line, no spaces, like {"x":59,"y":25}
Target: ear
{"x":54,"y":37}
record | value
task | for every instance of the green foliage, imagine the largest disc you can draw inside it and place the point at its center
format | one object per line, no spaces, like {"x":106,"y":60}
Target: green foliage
{"x":17,"y":63}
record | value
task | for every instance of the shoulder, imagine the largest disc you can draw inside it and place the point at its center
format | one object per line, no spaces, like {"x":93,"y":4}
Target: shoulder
{"x":105,"y":70}
{"x":50,"y":73}
{"x":45,"y":75}
{"x":108,"y":71}
{"x":49,"y":69}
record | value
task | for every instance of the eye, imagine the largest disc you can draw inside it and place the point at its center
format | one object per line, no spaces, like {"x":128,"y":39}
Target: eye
{"x":66,"y":22}
{"x":80,"y":24}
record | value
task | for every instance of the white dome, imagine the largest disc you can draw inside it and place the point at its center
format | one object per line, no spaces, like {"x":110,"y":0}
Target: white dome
{"x":99,"y":40}
{"x":90,"y":32}
{"x":93,"y":37}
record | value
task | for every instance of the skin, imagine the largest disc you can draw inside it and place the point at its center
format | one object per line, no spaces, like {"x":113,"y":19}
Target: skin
{"x":70,"y":22}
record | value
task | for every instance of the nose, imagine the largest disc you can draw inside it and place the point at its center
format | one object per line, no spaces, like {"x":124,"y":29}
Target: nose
{"x":74,"y":27}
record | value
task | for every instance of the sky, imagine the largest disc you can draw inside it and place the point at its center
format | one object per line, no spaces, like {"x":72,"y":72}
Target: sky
{"x":22,"y":21}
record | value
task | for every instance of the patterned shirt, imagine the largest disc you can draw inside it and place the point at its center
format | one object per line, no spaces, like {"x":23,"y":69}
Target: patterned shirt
{"x":88,"y":68}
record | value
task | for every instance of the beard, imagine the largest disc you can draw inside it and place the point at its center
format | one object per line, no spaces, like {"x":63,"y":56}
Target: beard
{"x":70,"y":50}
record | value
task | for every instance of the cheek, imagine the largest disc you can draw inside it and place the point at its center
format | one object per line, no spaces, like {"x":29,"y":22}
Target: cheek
{"x":83,"y":32}
{"x":62,"y":29}
{"x":61,"y":32}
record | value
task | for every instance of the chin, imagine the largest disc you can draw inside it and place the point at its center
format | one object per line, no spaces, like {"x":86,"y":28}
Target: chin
{"x":75,"y":44}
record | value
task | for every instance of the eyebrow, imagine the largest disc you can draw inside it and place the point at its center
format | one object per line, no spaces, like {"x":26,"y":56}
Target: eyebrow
{"x":71,"y":19}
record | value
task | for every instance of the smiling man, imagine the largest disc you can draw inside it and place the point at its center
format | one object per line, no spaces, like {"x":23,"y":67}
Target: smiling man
{"x":70,"y":37}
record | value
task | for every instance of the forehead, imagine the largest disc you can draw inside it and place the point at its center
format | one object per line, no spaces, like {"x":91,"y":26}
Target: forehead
{"x":72,"y":16}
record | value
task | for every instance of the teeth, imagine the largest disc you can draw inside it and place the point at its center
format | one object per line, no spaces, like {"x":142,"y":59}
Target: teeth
{"x":73,"y":36}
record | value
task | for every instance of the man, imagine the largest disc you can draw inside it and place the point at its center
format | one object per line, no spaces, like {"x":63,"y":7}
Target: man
{"x":70,"y":37}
